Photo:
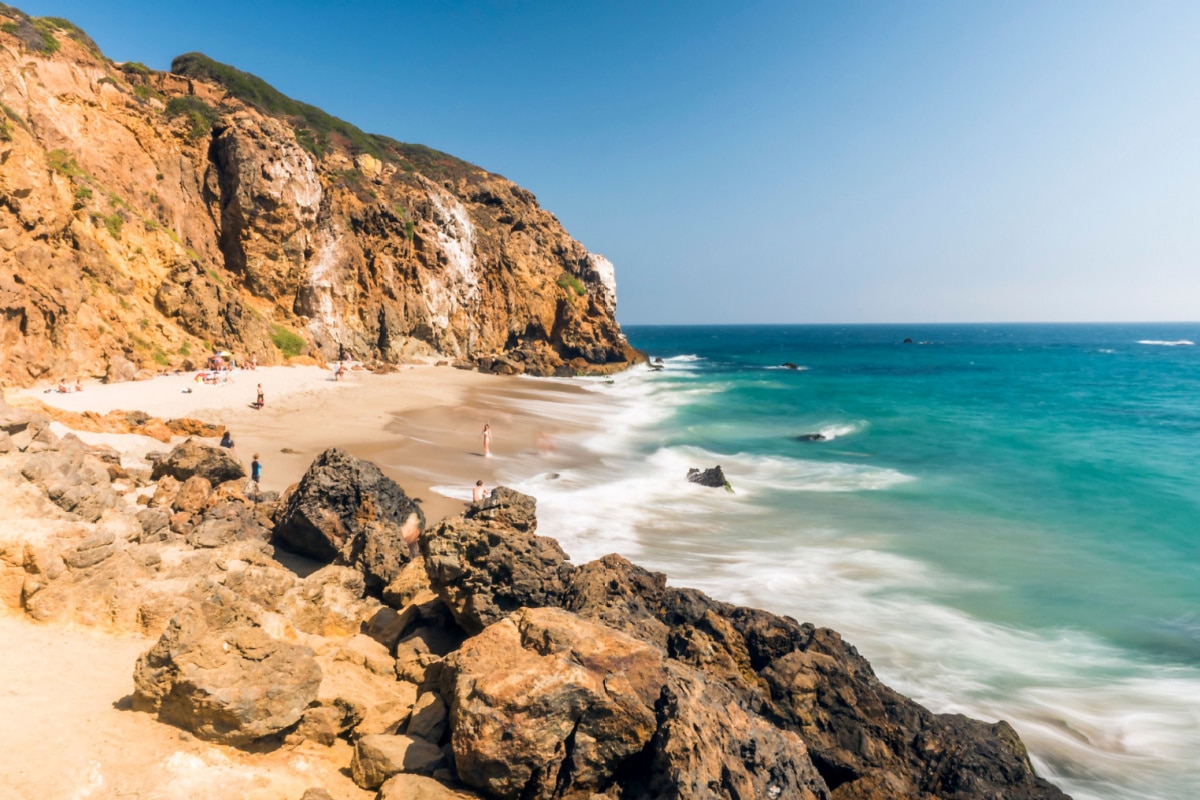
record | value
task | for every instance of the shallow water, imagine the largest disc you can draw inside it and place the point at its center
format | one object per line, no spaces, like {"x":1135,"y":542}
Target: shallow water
{"x":1004,"y":519}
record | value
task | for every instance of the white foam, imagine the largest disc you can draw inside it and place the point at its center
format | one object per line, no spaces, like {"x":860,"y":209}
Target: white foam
{"x":1176,"y":343}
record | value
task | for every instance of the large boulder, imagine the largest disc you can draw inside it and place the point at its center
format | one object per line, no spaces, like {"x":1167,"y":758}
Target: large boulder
{"x":378,"y":757}
{"x":709,"y":745}
{"x":406,"y":786}
{"x":345,"y":511}
{"x":544,"y":697}
{"x":484,"y":571}
{"x":214,"y":673}
{"x":193,"y":457}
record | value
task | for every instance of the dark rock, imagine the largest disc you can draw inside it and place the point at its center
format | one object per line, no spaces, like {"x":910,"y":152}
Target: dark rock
{"x":812,"y":437}
{"x":192,"y":457}
{"x":789,"y":365}
{"x":484,"y":572}
{"x":506,"y":508}
{"x":713,"y":476}
{"x":345,"y":511}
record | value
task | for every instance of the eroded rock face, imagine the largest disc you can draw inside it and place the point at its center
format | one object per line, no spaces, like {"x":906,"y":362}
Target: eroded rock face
{"x":346,"y":511}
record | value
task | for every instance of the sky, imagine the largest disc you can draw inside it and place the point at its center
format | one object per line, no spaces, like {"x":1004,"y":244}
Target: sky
{"x":778,"y":162}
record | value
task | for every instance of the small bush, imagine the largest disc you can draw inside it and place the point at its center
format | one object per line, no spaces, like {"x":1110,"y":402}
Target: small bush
{"x":200,"y":115}
{"x":185,"y":349}
{"x":144,"y":92}
{"x":64,"y":163}
{"x":108,"y":79}
{"x":289,"y":343}
{"x":83,"y":193}
{"x":112,"y":223}
{"x":160,"y":357}
{"x":135,"y":68}
{"x":569,"y":281}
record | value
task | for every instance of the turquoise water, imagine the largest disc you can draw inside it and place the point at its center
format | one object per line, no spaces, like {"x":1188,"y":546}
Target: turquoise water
{"x":1005,"y":519}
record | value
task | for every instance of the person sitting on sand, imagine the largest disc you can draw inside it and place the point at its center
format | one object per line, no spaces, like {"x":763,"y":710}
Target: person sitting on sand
{"x":78,"y":385}
{"x":259,"y":403}
{"x":478,"y":493}
{"x":227,"y":443}
{"x":62,"y":387}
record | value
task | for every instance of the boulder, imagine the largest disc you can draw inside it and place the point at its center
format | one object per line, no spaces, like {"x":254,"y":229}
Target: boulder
{"x":713,"y":477}
{"x":429,"y":717}
{"x":346,"y":511}
{"x":405,"y":786}
{"x":543,"y":697}
{"x":483,"y":572}
{"x":505,"y":508}
{"x":193,"y":457}
{"x":228,"y":683}
{"x":708,"y":745}
{"x":380,"y":756}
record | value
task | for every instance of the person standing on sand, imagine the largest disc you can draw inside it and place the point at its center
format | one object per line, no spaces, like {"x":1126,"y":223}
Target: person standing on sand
{"x":478,"y":493}
{"x":487,"y":438}
{"x":255,"y":472}
{"x":259,"y":403}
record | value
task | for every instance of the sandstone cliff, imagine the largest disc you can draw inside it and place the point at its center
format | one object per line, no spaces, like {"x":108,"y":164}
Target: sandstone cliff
{"x":146,"y":217}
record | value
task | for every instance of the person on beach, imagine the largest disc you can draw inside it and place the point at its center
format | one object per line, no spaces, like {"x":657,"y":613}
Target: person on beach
{"x":227,"y":443}
{"x":78,"y":385}
{"x":62,"y":387}
{"x":255,"y":472}
{"x":259,"y":403}
{"x":487,"y":438}
{"x":478,"y":493}
{"x":253,"y":361}
{"x":341,"y":371}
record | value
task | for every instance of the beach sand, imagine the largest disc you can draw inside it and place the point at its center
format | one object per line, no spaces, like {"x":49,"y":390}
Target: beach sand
{"x":64,"y":689}
{"x":422,"y":425}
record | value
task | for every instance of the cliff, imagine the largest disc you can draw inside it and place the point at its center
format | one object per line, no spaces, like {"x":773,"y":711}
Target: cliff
{"x":147,"y":217}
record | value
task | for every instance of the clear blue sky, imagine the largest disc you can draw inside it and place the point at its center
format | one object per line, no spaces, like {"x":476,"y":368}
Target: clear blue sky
{"x":783,"y":161}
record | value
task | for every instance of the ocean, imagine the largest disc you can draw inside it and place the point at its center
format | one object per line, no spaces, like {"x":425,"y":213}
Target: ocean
{"x":1004,"y":519}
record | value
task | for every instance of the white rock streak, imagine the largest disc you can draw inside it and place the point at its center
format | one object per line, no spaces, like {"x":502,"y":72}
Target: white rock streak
{"x":601,"y":273}
{"x":458,"y":285}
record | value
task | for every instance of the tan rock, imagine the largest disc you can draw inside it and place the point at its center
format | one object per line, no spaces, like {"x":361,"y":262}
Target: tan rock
{"x":405,"y":786}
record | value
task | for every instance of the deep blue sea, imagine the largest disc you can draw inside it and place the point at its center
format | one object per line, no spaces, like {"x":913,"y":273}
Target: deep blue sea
{"x":1005,"y":519}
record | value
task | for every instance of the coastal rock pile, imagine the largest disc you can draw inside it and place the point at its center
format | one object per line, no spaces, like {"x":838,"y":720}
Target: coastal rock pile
{"x":486,"y":666}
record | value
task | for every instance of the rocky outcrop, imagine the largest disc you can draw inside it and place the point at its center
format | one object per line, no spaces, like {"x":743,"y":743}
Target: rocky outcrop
{"x":346,"y":511}
{"x":144,"y":216}
{"x":497,"y":663}
{"x":713,"y":477}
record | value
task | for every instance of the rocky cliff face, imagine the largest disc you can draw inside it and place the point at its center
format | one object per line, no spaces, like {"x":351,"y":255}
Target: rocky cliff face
{"x":146,"y":217}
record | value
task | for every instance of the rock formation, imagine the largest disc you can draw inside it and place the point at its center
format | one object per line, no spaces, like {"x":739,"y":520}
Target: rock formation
{"x":146,"y":217}
{"x":492,"y":668}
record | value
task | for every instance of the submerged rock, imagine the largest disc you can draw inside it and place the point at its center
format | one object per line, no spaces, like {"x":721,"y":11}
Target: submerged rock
{"x":713,"y":477}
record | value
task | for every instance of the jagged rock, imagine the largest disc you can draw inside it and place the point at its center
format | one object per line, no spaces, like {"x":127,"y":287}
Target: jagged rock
{"x":713,"y":477}
{"x":328,"y":602}
{"x":187,"y":426}
{"x":193,"y":495}
{"x":346,"y":511}
{"x":379,"y":756}
{"x":544,"y":695}
{"x":708,"y":745}
{"x":621,"y":595}
{"x":506,"y":508}
{"x":316,"y":793}
{"x":192,"y":457}
{"x":226,"y":683}
{"x":483,"y":572}
{"x":367,"y":702}
{"x":418,"y":787}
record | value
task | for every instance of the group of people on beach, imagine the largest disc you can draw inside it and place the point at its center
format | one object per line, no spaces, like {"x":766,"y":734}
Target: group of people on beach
{"x":63,"y":388}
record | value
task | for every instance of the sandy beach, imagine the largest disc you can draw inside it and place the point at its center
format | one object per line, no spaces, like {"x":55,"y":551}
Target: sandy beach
{"x":421,"y":424}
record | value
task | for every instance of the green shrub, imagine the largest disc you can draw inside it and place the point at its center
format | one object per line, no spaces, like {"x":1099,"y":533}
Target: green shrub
{"x":112,"y":223}
{"x":64,"y":163}
{"x":289,"y":343}
{"x":569,"y":281}
{"x":71,"y":29}
{"x":135,"y":68}
{"x":5,"y":131}
{"x":83,"y":193}
{"x":185,"y":349}
{"x":144,"y":92}
{"x":200,"y":115}
{"x":108,"y":79}
{"x":160,"y":357}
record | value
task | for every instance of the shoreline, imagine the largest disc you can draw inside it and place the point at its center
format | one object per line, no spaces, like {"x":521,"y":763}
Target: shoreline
{"x":420,"y":424}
